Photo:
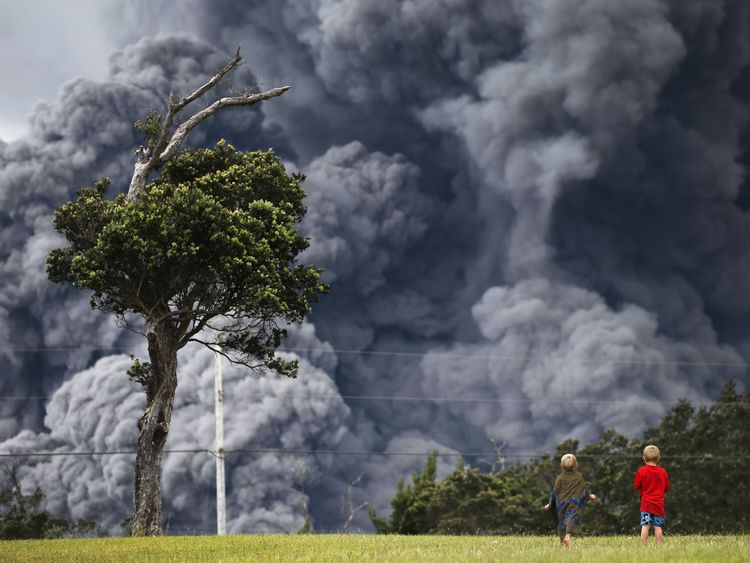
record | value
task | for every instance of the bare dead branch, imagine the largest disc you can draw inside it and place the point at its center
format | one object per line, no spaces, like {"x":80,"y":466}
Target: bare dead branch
{"x":154,"y":157}
{"x":301,"y":473}
{"x":246,"y":100}
{"x":210,"y":84}
{"x":499,"y":461}
{"x":352,"y":510}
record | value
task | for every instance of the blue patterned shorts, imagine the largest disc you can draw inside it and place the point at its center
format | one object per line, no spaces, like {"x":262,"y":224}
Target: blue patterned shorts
{"x":570,"y":523}
{"x":648,"y":519}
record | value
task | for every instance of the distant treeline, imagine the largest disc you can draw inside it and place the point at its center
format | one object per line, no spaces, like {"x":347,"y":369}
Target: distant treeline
{"x":705,"y":450}
{"x":21,"y":517}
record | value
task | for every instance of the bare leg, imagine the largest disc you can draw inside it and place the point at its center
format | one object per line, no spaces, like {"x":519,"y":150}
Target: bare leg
{"x":644,"y":535}
{"x":567,"y":541}
{"x":658,"y":534}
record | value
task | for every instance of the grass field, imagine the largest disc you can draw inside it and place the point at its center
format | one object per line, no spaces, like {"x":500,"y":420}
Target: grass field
{"x":372,"y":547}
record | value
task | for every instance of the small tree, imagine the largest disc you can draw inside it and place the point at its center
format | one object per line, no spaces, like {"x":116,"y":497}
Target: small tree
{"x":205,"y":253}
{"x":307,"y":525}
{"x":413,"y":510}
{"x":348,"y":510}
{"x":21,"y":518}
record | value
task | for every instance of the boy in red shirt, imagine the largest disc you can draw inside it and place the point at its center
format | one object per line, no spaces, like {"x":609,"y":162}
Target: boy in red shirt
{"x":653,"y":482}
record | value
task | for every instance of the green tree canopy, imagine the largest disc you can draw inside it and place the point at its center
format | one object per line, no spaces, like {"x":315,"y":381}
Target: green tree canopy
{"x":205,"y":253}
{"x":209,"y":244}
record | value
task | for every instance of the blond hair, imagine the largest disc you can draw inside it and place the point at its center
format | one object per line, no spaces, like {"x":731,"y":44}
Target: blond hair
{"x":651,"y":453}
{"x":568,"y":462}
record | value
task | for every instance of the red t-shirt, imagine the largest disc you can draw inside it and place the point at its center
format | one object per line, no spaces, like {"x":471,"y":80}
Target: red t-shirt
{"x":653,"y":482}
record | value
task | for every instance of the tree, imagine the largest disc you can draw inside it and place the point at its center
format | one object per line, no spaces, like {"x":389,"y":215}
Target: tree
{"x":206,"y":253}
{"x":21,"y":519}
{"x":348,"y":510}
{"x":412,"y":511}
{"x":307,"y":525}
{"x":466,"y":501}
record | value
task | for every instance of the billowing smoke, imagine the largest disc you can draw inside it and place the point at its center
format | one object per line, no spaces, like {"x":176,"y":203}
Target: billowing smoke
{"x":541,"y":204}
{"x":96,"y":411}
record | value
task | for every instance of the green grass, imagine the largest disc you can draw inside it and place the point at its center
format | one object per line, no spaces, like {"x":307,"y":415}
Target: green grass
{"x":375,"y":548}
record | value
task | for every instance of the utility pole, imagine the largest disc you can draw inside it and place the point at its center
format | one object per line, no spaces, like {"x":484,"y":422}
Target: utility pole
{"x":221,"y":499}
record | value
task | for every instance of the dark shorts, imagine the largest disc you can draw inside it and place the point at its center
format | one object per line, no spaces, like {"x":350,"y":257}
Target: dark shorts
{"x":648,"y":519}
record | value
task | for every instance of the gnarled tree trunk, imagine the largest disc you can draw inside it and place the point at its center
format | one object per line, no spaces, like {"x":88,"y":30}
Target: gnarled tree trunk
{"x":154,"y":428}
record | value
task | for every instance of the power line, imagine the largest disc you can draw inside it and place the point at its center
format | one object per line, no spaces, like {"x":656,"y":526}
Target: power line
{"x":411,"y":398}
{"x":68,"y":349}
{"x":95,"y":452}
{"x":515,"y":358}
{"x":439,"y":355}
{"x":434,"y":399}
{"x":497,"y":400}
{"x":362,"y":453}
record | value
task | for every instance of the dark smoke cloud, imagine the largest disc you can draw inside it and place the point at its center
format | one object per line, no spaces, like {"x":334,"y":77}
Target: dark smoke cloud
{"x":364,"y":208}
{"x":394,"y":51}
{"x":541,"y":202}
